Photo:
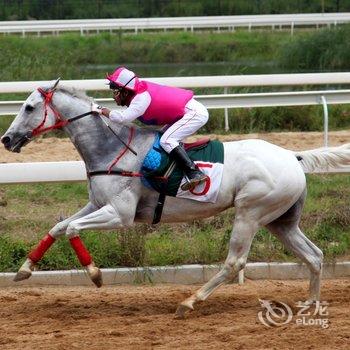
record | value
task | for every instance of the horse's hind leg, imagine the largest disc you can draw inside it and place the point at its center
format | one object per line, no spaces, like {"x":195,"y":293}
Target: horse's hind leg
{"x":25,"y":271}
{"x":286,"y":228}
{"x":242,"y":236}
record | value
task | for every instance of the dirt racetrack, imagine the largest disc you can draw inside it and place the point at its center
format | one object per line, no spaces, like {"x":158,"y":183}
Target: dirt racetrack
{"x":141,"y":317}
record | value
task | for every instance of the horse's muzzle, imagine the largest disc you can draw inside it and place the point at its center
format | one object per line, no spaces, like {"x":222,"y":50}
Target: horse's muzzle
{"x":14,"y":144}
{"x":6,"y":140}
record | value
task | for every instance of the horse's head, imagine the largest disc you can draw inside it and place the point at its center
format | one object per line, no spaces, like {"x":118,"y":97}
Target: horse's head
{"x":32,"y":117}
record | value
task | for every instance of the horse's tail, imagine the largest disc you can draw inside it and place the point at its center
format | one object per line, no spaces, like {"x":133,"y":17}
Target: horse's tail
{"x":323,"y":159}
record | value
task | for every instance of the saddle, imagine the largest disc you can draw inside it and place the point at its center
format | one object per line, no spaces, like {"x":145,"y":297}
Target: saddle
{"x":162,"y":174}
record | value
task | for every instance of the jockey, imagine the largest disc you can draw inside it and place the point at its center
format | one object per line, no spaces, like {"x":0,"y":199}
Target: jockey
{"x":155,"y":104}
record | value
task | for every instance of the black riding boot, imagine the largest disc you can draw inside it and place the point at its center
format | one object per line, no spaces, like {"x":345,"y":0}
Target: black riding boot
{"x":193,"y":174}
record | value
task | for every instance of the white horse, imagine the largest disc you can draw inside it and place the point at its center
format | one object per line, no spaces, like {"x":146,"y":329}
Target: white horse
{"x":265,"y":183}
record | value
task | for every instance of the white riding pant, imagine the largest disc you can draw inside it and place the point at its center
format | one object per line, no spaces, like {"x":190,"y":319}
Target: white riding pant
{"x":196,"y":115}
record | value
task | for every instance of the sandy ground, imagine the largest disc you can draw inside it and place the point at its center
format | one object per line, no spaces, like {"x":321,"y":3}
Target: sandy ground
{"x":141,"y":317}
{"x":53,"y":149}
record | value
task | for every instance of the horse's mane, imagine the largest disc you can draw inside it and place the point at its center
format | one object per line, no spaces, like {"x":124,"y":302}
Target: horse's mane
{"x":75,"y":93}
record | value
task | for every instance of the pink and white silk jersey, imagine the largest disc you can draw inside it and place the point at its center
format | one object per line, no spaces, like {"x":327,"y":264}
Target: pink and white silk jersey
{"x":155,"y":104}
{"x":164,"y":105}
{"x":167,"y":104}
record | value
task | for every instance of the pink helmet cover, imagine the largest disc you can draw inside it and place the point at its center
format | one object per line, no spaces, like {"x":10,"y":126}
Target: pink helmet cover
{"x":127,"y":79}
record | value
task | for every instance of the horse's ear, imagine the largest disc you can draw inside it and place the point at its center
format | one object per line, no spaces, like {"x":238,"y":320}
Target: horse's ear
{"x":56,"y":83}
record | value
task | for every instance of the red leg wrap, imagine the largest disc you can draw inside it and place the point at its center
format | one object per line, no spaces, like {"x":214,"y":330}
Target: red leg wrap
{"x":81,"y":251}
{"x":36,"y":254}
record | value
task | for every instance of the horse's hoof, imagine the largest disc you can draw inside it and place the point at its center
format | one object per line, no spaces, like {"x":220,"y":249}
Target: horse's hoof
{"x":95,"y":275}
{"x":98,"y":279}
{"x":182,"y":309}
{"x":22,"y":275}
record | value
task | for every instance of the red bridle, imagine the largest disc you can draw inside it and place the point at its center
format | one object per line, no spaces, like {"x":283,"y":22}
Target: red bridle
{"x":59,"y":121}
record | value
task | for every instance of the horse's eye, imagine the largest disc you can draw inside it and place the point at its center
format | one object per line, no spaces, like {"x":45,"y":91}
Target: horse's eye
{"x":29,"y":108}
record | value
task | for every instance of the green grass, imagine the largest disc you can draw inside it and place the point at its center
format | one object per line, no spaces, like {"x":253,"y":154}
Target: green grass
{"x":68,"y":55}
{"x":49,"y":57}
{"x":324,"y":50}
{"x":28,"y":212}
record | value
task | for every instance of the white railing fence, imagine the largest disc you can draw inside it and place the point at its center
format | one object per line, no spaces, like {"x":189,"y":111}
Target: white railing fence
{"x":66,"y":171}
{"x":197,"y":81}
{"x":225,"y":101}
{"x":184,"y":23}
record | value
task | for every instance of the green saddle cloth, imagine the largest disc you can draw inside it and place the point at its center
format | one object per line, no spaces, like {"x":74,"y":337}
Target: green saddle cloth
{"x":212,"y":152}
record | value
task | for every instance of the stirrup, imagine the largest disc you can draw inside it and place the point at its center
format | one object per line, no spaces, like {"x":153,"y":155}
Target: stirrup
{"x":190,"y":184}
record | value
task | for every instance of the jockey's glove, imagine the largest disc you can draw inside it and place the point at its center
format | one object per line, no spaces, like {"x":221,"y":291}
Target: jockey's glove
{"x":95,"y":108}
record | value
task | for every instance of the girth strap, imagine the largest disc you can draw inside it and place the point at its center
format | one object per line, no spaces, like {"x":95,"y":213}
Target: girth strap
{"x":161,"y":199}
{"x":159,"y":208}
{"x":120,"y":172}
{"x":113,"y":172}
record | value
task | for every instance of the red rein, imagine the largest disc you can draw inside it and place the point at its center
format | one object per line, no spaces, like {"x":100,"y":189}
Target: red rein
{"x":116,"y":160}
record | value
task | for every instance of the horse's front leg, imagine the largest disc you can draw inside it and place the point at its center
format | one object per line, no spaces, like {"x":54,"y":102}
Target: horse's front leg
{"x":106,"y":218}
{"x":38,"y":252}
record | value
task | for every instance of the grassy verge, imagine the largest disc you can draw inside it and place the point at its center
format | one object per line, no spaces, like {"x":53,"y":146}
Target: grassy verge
{"x":325,"y":50}
{"x":27,"y":212}
{"x":68,"y":55}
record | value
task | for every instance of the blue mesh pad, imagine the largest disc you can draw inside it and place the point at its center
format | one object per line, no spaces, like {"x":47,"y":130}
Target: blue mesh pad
{"x":153,"y":157}
{"x":156,"y":160}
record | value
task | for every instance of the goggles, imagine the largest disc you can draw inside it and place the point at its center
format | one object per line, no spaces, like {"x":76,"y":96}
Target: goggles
{"x":115,"y":88}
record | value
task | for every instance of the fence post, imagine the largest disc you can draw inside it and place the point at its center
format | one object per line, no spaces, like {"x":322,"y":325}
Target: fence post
{"x":227,"y":126}
{"x":325,"y":121}
{"x":241,"y":276}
